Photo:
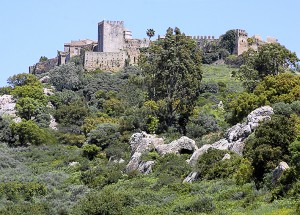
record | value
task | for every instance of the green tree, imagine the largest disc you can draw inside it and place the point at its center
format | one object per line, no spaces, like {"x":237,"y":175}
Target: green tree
{"x":43,"y":59}
{"x":172,"y":70}
{"x":104,"y":135}
{"x":23,"y":79}
{"x":271,"y":59}
{"x":72,"y":114}
{"x":67,"y":76}
{"x":27,"y":132}
{"x":90,"y":151}
{"x":150,"y":33}
{"x":28,"y":107}
{"x":270,"y":145}
{"x":228,"y":41}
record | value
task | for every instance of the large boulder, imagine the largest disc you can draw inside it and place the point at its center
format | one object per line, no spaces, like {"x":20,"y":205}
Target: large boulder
{"x":141,"y":143}
{"x":145,"y":167}
{"x":259,"y":115}
{"x":279,"y":170}
{"x":239,"y":131}
{"x":193,"y":159}
{"x":183,"y":145}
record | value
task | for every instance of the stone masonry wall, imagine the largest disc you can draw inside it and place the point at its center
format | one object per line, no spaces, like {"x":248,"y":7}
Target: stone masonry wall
{"x":111,"y":61}
{"x":111,"y":36}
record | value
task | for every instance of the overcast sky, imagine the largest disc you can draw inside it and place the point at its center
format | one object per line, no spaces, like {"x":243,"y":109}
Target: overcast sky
{"x":34,"y":28}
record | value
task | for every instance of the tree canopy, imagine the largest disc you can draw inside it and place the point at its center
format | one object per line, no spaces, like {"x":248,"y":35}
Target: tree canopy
{"x":172,"y":70}
{"x":271,"y":59}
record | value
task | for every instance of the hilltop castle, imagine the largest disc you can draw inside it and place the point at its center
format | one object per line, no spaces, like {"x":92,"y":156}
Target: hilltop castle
{"x":116,"y":48}
{"x":243,"y":42}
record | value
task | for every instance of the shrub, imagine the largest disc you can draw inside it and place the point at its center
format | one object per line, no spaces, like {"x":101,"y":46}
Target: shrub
{"x":13,"y":191}
{"x":244,"y":172}
{"x":5,"y":130}
{"x":72,"y":139}
{"x":105,"y":202}
{"x":211,"y":166}
{"x":203,"y":124}
{"x":282,"y":108}
{"x":200,"y":204}
{"x":104,"y":135}
{"x":171,"y":168}
{"x":28,"y":132}
{"x":90,"y":151}
{"x":270,"y":145}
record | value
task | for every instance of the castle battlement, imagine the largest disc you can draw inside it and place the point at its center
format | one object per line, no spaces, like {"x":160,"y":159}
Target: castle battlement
{"x":241,"y":33}
{"x":111,"y":22}
{"x":204,"y":37}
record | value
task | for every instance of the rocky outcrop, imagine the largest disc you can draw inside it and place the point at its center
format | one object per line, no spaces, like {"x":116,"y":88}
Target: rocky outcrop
{"x":184,"y":145}
{"x":44,"y":66}
{"x":145,"y":167}
{"x":235,"y":136}
{"x":226,"y":157}
{"x":7,"y":107}
{"x":141,"y":143}
{"x":193,"y":176}
{"x":53,"y":123}
{"x":193,"y":159}
{"x":45,"y":79}
{"x":279,"y":170}
{"x":48,"y":91}
{"x":259,"y":115}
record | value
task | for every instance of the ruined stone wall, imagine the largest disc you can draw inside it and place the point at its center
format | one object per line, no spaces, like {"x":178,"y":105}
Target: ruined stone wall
{"x":242,"y":43}
{"x":111,"y":36}
{"x":111,"y":61}
{"x":132,"y":47}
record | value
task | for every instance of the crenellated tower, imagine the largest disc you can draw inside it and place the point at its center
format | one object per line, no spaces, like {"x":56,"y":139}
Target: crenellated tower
{"x":110,"y":36}
{"x":241,"y":41}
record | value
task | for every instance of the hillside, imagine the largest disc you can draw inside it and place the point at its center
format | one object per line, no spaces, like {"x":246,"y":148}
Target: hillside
{"x":170,"y":136}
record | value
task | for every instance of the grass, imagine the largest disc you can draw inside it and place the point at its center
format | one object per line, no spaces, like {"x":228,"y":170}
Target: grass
{"x":221,"y":73}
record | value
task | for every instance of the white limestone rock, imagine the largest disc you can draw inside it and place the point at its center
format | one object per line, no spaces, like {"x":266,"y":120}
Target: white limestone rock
{"x":180,"y":146}
{"x":283,"y":166}
{"x":193,"y":176}
{"x":141,"y":143}
{"x":259,"y":115}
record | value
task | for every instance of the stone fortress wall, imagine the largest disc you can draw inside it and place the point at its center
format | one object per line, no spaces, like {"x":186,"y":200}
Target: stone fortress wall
{"x":116,"y":48}
{"x":244,"y":42}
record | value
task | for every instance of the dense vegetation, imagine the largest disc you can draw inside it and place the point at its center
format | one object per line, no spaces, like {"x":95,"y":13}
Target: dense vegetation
{"x":79,"y":166}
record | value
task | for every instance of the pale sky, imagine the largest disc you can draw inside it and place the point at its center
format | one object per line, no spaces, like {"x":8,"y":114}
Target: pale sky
{"x":34,"y":28}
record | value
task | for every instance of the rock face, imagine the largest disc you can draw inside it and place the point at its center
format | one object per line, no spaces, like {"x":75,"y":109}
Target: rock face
{"x":279,"y":170}
{"x":53,"y":123}
{"x":184,"y":145}
{"x":7,"y":107}
{"x":193,"y":176}
{"x":141,"y":143}
{"x":235,"y":136}
{"x":43,"y":67}
{"x":258,"y":115}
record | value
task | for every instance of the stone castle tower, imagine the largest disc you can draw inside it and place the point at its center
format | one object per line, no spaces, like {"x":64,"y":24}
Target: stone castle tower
{"x":110,"y":36}
{"x":241,"y":41}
